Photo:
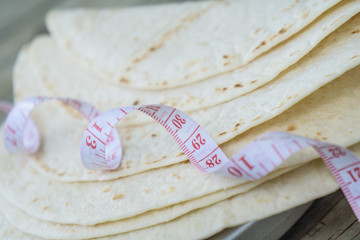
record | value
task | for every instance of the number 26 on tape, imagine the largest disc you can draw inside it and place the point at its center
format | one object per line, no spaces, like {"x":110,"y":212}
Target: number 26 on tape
{"x":337,"y":152}
{"x":198,"y":141}
{"x":90,"y":143}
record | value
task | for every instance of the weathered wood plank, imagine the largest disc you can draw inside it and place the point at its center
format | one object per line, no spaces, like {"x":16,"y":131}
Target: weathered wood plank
{"x":330,"y":217}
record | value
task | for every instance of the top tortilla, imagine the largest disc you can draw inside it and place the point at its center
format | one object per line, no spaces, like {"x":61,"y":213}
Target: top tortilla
{"x":114,"y":45}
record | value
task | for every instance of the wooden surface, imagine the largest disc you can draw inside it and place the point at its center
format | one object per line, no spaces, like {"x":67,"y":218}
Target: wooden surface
{"x":20,"y":21}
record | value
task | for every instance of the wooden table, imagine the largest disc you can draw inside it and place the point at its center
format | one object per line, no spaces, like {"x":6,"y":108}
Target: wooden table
{"x":20,"y":21}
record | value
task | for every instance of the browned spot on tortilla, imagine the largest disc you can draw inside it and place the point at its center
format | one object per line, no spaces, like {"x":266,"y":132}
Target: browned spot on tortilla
{"x":238,"y":124}
{"x":60,"y":174}
{"x":118,"y":196}
{"x":356,"y":31}
{"x":175,"y":175}
{"x":324,"y":29}
{"x":172,"y":188}
{"x":222,"y":133}
{"x":34,"y":200}
{"x":258,"y":117}
{"x":283,"y":30}
{"x":257,"y":30}
{"x":291,"y":128}
{"x":136,"y":102}
{"x":187,"y":76}
{"x":306,"y":14}
{"x":106,"y":190}
{"x":234,"y":129}
{"x":225,"y":56}
{"x":328,"y":75}
{"x":49,"y":183}
{"x":203,"y":69}
{"x":287,"y":197}
{"x":354,"y":57}
{"x":254,"y":81}
{"x":238,"y":85}
{"x":67,"y":204}
{"x":324,"y":138}
{"x":314,"y":4}
{"x":180,"y":154}
{"x":124,"y":80}
{"x":263,"y":43}
{"x":224,"y":89}
{"x":193,"y":16}
{"x":163,"y":157}
{"x":153,"y":48}
{"x":128,"y":69}
{"x":164,"y":83}
{"x":159,"y":160}
{"x":128,"y":164}
{"x":292,"y":54}
{"x":153,"y":135}
{"x":226,"y":63}
{"x":318,"y":133}
{"x":146,"y":190}
{"x":46,"y":208}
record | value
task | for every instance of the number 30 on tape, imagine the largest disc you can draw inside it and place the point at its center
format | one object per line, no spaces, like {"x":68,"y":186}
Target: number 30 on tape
{"x":101,"y":146}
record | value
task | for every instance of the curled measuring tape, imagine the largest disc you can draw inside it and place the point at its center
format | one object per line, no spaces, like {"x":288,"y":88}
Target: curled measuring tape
{"x":101,"y":147}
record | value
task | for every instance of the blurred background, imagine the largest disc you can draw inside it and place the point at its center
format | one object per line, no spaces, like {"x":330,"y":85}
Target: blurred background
{"x":21,"y":20}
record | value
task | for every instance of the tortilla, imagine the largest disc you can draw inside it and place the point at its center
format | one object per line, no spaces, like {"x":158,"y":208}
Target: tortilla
{"x":320,"y":115}
{"x":96,"y":39}
{"x":51,"y":66}
{"x":294,"y":188}
{"x":171,"y":188}
{"x":297,"y":188}
{"x":222,"y":122}
{"x":65,"y":231}
{"x":126,"y":30}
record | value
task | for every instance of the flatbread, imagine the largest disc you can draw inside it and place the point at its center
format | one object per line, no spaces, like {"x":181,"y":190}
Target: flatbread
{"x":65,"y":231}
{"x":82,"y":34}
{"x":126,"y":30}
{"x":321,"y":115}
{"x":52,"y":66}
{"x":223,"y":122}
{"x":282,"y":193}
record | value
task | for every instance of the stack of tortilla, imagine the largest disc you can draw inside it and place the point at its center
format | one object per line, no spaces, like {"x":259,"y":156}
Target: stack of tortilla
{"x":239,"y":68}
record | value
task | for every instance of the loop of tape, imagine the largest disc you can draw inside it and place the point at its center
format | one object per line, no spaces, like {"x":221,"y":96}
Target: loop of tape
{"x":101,"y":146}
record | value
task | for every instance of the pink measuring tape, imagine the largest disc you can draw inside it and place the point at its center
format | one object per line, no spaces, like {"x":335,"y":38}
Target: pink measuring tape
{"x":101,"y":146}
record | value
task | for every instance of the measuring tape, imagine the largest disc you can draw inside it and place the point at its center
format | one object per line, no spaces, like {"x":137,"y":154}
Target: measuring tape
{"x":101,"y":146}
